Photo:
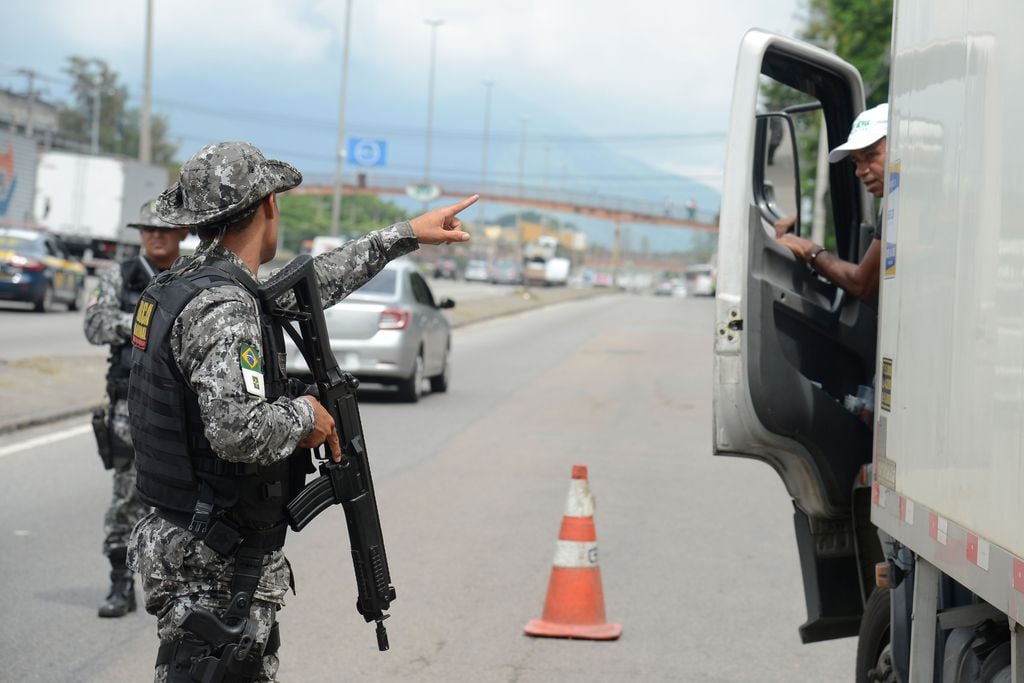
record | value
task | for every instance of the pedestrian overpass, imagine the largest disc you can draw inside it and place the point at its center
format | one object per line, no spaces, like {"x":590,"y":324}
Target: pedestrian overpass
{"x":592,"y":205}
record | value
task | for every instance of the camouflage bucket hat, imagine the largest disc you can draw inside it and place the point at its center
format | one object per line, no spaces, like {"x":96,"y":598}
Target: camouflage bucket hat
{"x":148,"y":218}
{"x":223,"y":180}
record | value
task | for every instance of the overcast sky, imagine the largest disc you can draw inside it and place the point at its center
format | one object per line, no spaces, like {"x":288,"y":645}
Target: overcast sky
{"x":605,"y":72}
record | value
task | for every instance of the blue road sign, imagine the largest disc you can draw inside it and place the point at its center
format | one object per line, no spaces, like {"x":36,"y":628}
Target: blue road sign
{"x":367,"y":152}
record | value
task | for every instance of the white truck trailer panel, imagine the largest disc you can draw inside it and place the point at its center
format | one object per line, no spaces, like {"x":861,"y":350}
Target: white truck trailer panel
{"x":80,"y":196}
{"x":950,"y":433}
{"x":17,"y":179}
{"x":86,"y":197}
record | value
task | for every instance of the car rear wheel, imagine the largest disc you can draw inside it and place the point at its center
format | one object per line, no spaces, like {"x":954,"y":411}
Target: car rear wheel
{"x":76,"y":302}
{"x":439,"y":383}
{"x":409,"y":388}
{"x":45,"y":302}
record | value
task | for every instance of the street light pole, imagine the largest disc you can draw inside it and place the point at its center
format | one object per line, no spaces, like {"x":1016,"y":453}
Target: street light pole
{"x":95,"y":138}
{"x":339,"y":162}
{"x":488,"y":85}
{"x":145,"y":128}
{"x":519,"y":213}
{"x":433,"y":24}
{"x":29,"y":118}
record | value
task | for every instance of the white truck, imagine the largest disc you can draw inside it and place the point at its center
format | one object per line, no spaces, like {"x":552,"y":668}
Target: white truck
{"x":17,"y":180}
{"x":88,"y":199}
{"x":908,"y":506}
{"x":556,"y":271}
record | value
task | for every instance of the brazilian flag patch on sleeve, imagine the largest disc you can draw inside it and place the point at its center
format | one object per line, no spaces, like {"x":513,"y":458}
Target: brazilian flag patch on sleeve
{"x":252,"y":370}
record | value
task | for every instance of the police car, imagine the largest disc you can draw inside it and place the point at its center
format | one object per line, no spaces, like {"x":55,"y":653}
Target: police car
{"x":35,"y":268}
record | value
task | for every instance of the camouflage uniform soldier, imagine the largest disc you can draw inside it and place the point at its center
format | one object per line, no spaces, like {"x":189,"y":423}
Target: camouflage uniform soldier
{"x":220,"y":439}
{"x":108,"y":320}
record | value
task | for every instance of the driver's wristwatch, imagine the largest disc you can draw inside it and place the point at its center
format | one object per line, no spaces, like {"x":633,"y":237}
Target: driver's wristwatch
{"x":814,"y":256}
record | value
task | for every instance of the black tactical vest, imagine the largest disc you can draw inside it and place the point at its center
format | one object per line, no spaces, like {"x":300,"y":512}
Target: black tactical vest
{"x":177,"y":470}
{"x":135,"y":276}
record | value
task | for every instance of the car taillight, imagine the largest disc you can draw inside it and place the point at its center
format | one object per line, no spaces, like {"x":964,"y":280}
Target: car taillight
{"x":26,"y":263}
{"x":393,"y":319}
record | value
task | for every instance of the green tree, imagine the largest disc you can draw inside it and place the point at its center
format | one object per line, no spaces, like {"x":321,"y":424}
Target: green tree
{"x":304,"y":217}
{"x":118,"y":123}
{"x":860,"y":32}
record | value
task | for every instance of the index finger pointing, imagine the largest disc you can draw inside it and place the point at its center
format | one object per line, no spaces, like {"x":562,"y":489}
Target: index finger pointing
{"x":465,"y":203}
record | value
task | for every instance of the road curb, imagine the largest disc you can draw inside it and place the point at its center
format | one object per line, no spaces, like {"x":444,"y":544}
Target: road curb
{"x":45,"y":419}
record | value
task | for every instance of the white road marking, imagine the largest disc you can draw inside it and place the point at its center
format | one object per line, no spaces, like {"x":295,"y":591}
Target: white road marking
{"x":44,"y":440}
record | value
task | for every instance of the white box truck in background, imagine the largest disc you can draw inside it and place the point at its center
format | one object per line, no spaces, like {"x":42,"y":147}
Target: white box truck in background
{"x":17,"y":180}
{"x":88,"y":199}
{"x":556,"y":271}
{"x":898,"y":429}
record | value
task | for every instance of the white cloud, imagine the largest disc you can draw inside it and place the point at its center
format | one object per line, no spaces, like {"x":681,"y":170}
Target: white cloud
{"x":601,"y":66}
{"x":234,"y":35}
{"x":608,"y":65}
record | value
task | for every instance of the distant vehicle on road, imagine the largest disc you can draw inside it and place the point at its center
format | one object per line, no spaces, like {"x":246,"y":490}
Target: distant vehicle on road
{"x":664,"y":288}
{"x":325,"y":243}
{"x":476,"y":271}
{"x":507,"y":273}
{"x":390,"y":331}
{"x":446,"y":269}
{"x":556,"y":271}
{"x":35,"y":268}
{"x":700,"y":280}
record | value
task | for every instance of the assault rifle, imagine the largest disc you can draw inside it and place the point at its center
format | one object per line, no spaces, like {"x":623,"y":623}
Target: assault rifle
{"x":347,"y":482}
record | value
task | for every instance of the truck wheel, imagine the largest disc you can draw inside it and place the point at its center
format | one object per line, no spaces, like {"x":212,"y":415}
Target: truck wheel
{"x":996,"y":667}
{"x":439,"y":383}
{"x":409,"y":388}
{"x":45,"y":302}
{"x":874,"y":654}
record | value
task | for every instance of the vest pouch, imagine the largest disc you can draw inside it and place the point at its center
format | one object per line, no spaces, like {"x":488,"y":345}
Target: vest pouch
{"x":262,"y":497}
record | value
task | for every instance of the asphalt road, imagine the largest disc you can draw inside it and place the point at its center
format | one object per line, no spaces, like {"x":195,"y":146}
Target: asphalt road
{"x":697,"y":553}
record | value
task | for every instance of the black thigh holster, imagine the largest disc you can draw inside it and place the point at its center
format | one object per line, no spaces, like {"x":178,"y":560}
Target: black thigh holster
{"x":223,"y":649}
{"x":190,"y":659}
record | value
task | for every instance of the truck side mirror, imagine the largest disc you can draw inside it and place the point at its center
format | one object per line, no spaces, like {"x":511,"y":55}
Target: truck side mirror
{"x":776,"y":169}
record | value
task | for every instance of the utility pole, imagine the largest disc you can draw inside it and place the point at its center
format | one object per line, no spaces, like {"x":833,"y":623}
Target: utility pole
{"x":519,"y":214}
{"x":488,"y":85}
{"x":30,"y":74}
{"x":616,"y":255}
{"x":547,"y":152}
{"x":145,"y":128}
{"x":94,"y":146}
{"x":433,"y":24}
{"x":339,"y":163}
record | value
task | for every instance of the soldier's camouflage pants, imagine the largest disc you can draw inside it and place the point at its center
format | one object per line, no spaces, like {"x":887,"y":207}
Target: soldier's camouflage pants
{"x":125,"y":507}
{"x":179,"y":572}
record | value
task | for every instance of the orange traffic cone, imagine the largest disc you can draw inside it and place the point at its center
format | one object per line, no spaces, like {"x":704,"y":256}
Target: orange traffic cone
{"x":574,"y":607}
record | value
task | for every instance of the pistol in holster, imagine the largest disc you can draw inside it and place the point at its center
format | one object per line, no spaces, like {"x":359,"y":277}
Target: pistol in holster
{"x":101,"y":428}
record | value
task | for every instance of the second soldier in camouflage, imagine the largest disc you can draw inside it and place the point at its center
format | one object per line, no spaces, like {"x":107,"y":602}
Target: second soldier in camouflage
{"x":108,"y":319}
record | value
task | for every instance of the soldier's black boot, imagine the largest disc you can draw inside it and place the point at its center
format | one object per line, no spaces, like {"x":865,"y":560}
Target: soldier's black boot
{"x":121,"y":599}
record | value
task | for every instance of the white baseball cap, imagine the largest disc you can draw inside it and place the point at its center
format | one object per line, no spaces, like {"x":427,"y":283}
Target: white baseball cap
{"x":867,"y":129}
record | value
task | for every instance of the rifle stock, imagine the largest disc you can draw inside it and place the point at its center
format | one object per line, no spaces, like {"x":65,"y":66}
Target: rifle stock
{"x":348,"y":482}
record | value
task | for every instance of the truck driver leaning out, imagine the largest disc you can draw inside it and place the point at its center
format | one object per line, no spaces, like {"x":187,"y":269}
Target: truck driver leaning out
{"x":866,"y":148}
{"x":108,"y":320}
{"x":219,"y":437}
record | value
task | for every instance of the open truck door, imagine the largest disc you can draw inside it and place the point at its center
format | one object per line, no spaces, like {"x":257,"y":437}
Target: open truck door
{"x":790,"y":346}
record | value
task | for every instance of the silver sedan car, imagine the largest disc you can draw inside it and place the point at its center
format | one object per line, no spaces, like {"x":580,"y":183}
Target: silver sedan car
{"x":390,"y":331}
